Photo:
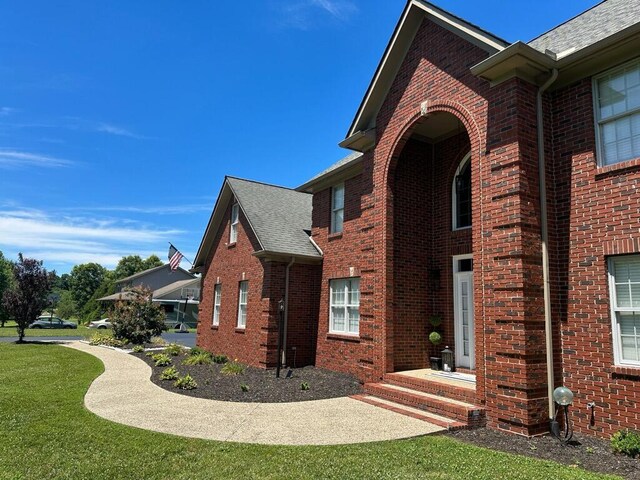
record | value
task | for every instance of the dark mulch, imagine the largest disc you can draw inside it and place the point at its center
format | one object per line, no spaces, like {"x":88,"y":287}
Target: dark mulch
{"x":587,"y":452}
{"x":263,"y":384}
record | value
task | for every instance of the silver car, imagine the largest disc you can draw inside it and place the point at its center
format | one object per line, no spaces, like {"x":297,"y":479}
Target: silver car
{"x":100,"y":324}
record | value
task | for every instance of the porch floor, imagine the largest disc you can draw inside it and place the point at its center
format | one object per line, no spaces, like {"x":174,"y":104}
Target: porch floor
{"x":460,"y":380}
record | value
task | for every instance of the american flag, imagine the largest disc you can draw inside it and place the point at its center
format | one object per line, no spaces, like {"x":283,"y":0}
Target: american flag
{"x":174,"y":257}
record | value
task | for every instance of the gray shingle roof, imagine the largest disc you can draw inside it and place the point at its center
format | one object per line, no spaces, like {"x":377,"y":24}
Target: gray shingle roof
{"x":280,"y":217}
{"x":339,"y":164}
{"x":589,"y":27}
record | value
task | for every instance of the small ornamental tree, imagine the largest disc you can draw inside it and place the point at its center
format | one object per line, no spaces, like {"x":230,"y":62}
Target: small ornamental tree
{"x":137,"y":318}
{"x":27,"y":297}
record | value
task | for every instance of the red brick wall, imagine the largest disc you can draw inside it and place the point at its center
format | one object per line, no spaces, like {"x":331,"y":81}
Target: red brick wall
{"x":596,"y":215}
{"x":257,"y":344}
{"x":230,"y":264}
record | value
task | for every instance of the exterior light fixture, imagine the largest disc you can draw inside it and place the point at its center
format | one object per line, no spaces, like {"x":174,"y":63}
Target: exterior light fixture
{"x":563,"y":397}
{"x":447,"y":360}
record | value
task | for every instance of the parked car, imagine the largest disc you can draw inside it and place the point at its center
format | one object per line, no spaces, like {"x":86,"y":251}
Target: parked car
{"x":100,"y":324}
{"x":52,"y":322}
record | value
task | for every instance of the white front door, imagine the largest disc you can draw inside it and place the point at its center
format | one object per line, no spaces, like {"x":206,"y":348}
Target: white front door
{"x":463,"y":311}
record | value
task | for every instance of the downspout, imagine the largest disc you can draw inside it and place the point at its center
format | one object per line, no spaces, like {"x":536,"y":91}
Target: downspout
{"x":545,"y":242}
{"x":286,"y":309}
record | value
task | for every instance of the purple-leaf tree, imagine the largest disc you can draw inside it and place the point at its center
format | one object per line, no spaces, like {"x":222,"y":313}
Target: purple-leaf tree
{"x":27,"y":297}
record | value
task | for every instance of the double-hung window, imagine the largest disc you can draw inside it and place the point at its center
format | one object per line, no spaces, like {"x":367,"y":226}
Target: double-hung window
{"x":617,"y":112}
{"x":243,"y":292}
{"x":233,"y":233}
{"x":624,"y":285}
{"x":217,"y":294}
{"x":337,"y":208}
{"x":345,"y":306}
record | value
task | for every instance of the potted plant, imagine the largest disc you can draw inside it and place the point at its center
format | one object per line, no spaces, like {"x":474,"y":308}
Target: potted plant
{"x":436,"y":339}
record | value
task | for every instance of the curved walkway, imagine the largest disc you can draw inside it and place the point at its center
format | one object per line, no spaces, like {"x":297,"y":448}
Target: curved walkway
{"x":125,"y":394}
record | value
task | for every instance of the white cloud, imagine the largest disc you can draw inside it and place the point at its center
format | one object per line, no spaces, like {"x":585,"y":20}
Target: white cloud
{"x":115,"y":130}
{"x":302,"y":14}
{"x":15,"y":158}
{"x":5,"y":111}
{"x":72,"y":240}
{"x":158,"y":210}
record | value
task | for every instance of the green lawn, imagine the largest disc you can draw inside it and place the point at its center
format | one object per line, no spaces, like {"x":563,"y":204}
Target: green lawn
{"x":9,"y":330}
{"x":47,"y":434}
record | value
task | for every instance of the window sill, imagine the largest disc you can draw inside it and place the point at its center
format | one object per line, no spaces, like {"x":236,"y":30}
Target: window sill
{"x":626,"y":371}
{"x":240,"y":330}
{"x":344,"y":337}
{"x":215,"y":327}
{"x":334,"y":236}
{"x":231,"y":245}
{"x":632,"y":165}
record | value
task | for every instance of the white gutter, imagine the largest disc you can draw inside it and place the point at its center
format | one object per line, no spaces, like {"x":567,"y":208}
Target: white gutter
{"x":286,"y":309}
{"x":313,"y":242}
{"x":545,"y":242}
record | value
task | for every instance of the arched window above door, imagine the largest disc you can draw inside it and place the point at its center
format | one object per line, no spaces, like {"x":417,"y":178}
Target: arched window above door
{"x":461,"y":194}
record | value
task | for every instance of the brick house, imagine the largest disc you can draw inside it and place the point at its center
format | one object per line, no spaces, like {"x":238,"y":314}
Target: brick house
{"x":494,"y":185}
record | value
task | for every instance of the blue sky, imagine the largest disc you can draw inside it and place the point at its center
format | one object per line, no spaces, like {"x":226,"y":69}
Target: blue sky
{"x":119,"y":119}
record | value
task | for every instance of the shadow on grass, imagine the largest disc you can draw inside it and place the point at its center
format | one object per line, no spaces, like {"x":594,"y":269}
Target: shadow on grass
{"x":39,"y":342}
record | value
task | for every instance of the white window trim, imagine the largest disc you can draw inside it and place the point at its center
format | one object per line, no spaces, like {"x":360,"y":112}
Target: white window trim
{"x":239,"y":323}
{"x":596,"y":111}
{"x":335,"y":210}
{"x":235,"y":219}
{"x":454,"y":203}
{"x":615,"y":327}
{"x":217,"y":294}
{"x":346,"y":306}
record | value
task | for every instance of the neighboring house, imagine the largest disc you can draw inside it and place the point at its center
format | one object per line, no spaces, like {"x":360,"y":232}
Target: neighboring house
{"x":259,"y":251}
{"x":178,"y":292}
{"x":497,"y":186}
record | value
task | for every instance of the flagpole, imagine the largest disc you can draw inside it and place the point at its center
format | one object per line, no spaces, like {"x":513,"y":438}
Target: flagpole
{"x":185,"y":258}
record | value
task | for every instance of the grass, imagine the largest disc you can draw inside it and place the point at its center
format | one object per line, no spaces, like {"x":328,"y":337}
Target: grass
{"x":47,"y":433}
{"x":9,"y":330}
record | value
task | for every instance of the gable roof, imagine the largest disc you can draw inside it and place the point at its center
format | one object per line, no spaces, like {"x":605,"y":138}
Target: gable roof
{"x":589,"y":27}
{"x":135,"y":276}
{"x":279,"y":217}
{"x":172,"y":287}
{"x":412,"y":17}
{"x":342,"y":166}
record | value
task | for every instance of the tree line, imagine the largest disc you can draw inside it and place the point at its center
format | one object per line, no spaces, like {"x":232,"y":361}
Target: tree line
{"x":26,"y":287}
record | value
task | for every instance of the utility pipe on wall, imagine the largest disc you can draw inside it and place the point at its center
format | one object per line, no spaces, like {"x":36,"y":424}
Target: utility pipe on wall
{"x":545,"y":242}
{"x":286,"y":309}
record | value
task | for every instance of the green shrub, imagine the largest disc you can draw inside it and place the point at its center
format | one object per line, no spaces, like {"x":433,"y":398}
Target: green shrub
{"x":159,"y":341}
{"x":232,"y":368}
{"x":244,"y":387}
{"x":138,"y":349}
{"x":173,"y":349}
{"x":161,"y":359}
{"x":435,"y":320}
{"x":137,"y":318}
{"x":106,"y":339}
{"x":185,"y":383}
{"x":627,"y":442}
{"x":169,"y":374}
{"x":199,"y":359}
{"x":222,"y":359}
{"x":197,"y":350}
{"x":304,"y":386}
{"x":435,"y":338}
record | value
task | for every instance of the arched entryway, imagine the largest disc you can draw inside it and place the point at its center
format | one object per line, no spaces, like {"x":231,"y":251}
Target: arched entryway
{"x":430,"y":219}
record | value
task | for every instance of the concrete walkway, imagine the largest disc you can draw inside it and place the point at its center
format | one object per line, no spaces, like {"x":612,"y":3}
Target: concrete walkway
{"x":125,"y":394}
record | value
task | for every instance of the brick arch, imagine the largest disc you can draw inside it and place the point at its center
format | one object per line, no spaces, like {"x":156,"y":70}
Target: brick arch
{"x":477,"y":145}
{"x":427,"y":108}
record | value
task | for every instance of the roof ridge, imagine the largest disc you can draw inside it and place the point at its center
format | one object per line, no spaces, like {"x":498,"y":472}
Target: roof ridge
{"x":566,"y":21}
{"x":263,"y":183}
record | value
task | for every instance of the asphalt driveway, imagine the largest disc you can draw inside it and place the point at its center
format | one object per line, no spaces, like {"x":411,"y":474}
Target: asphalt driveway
{"x":186,"y":339}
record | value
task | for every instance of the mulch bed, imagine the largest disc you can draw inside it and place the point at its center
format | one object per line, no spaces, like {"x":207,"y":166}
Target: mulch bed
{"x":583,"y":451}
{"x":263,"y":385}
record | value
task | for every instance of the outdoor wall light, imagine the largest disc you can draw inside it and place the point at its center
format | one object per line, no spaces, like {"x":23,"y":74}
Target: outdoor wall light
{"x":563,"y":398}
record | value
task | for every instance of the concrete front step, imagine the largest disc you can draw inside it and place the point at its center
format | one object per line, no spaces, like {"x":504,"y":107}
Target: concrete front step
{"x":440,"y":388}
{"x":463,"y":412}
{"x":439,"y":420}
